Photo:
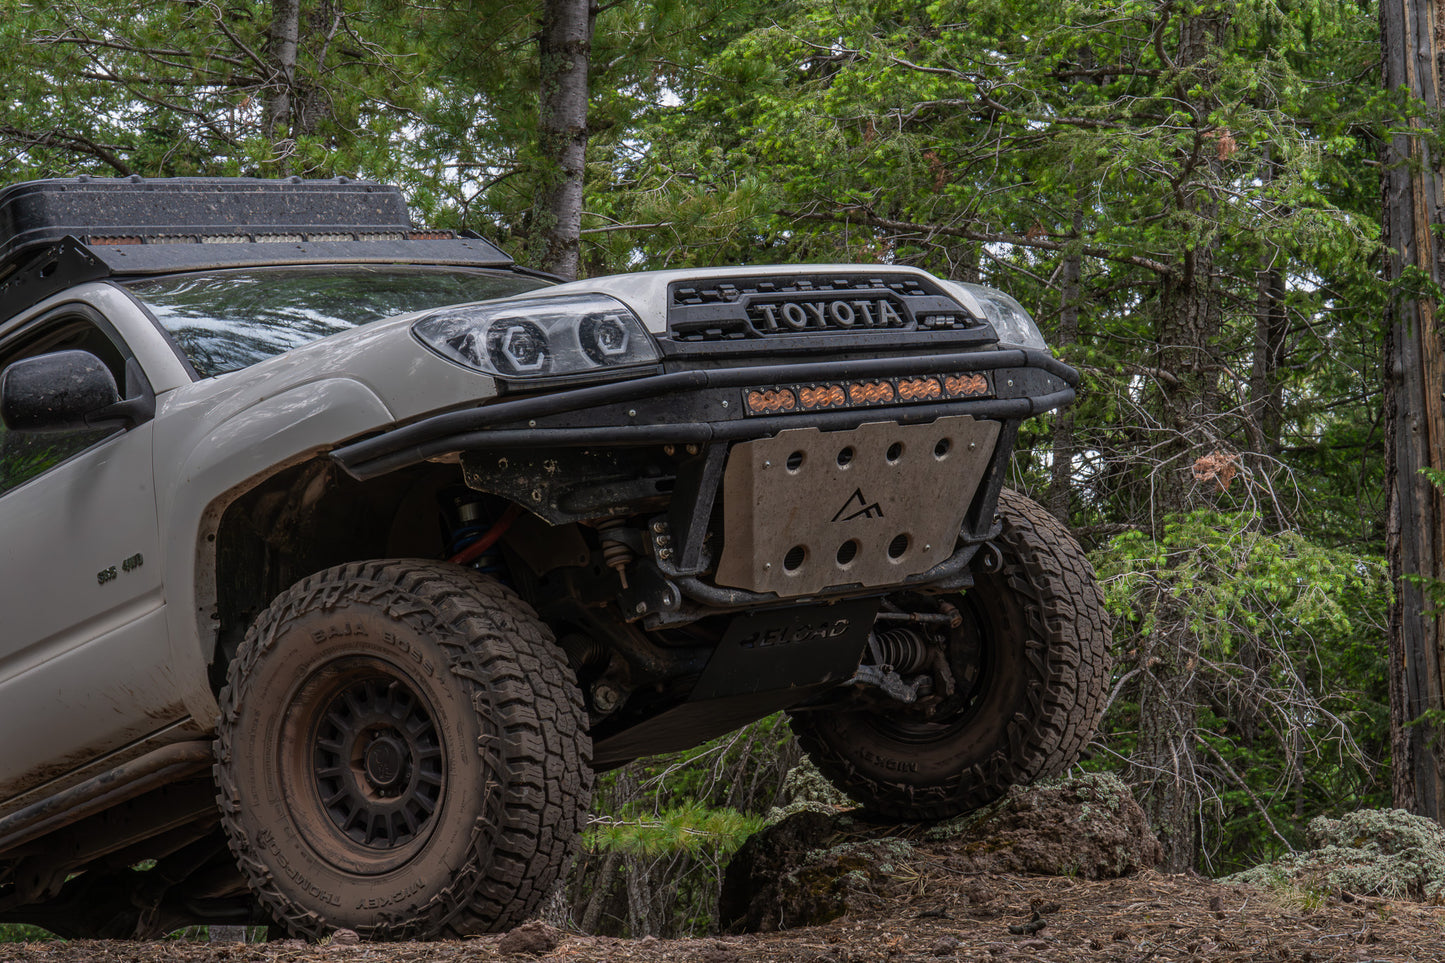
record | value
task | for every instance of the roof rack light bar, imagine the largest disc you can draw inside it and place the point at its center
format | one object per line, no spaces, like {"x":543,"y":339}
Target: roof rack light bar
{"x":186,"y":209}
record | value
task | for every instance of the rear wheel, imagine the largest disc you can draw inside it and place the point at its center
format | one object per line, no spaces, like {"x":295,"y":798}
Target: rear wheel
{"x":402,"y":751}
{"x":1027,"y":670}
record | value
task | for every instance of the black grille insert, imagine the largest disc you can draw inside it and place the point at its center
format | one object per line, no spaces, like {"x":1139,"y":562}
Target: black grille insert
{"x":726,"y":309}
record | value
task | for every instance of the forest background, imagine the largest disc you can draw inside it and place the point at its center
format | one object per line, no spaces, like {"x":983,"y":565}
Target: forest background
{"x":1185,"y":193}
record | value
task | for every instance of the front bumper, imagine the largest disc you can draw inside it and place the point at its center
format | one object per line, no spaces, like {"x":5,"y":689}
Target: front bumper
{"x":687,"y":450}
{"x":707,"y":406}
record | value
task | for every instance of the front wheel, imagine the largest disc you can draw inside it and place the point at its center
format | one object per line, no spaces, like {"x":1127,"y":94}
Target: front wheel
{"x":1028,"y":670}
{"x":402,"y":751}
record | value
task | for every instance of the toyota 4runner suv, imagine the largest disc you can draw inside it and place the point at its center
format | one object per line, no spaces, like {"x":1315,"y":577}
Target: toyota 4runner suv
{"x":338,"y":555}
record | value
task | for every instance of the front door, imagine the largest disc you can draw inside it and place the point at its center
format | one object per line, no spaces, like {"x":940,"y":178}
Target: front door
{"x":83,"y":649}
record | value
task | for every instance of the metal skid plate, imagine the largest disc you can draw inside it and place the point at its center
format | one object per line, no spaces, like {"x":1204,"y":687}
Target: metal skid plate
{"x":809,"y":509}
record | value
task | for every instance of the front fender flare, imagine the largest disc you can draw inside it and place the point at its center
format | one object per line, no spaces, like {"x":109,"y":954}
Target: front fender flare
{"x":221,"y":463}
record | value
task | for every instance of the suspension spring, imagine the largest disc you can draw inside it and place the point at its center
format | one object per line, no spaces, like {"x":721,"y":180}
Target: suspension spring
{"x":904,"y":649}
{"x":616,"y":553}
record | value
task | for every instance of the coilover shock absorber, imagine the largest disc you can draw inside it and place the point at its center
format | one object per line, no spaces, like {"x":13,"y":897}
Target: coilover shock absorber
{"x":906,"y":650}
{"x":464,"y":518}
{"x":616,"y":553}
{"x":471,"y":532}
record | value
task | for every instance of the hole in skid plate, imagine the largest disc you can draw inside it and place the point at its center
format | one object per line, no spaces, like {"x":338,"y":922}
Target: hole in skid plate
{"x":847,"y":551}
{"x":940,"y":450}
{"x":795,"y":558}
{"x":898,"y":546}
{"x":844,"y":457}
{"x":795,"y":461}
{"x":895,"y":452}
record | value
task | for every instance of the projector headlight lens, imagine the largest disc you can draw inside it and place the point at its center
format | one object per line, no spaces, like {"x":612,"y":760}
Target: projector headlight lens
{"x":540,"y":337}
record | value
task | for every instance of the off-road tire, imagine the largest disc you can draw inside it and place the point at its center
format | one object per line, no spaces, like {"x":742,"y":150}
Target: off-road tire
{"x":484,"y":723}
{"x":1042,"y":634}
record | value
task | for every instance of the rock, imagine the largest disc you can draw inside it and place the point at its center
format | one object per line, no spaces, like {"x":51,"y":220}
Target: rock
{"x":1373,"y":852}
{"x":817,"y":864}
{"x":946,"y":946}
{"x":805,"y":789}
{"x":344,"y":938}
{"x":1087,"y":826}
{"x":804,"y":871}
{"x":533,"y":939}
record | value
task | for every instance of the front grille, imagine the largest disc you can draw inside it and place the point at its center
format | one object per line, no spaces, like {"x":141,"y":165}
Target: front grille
{"x":726,"y":309}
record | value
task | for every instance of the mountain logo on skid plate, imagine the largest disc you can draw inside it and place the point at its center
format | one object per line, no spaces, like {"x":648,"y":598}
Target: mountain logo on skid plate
{"x":857,"y":507}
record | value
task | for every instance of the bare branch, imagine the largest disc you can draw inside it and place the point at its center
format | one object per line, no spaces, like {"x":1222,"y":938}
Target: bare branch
{"x":78,"y":143}
{"x":854,"y":214}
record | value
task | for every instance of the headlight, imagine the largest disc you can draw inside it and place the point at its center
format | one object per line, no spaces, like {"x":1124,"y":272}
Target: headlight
{"x":1010,"y":321}
{"x":540,"y":337}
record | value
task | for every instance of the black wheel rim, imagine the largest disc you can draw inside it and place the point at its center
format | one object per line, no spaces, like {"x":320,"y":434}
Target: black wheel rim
{"x":378,"y":762}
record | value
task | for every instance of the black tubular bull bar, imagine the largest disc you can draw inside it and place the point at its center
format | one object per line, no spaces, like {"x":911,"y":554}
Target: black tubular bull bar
{"x":703,"y":406}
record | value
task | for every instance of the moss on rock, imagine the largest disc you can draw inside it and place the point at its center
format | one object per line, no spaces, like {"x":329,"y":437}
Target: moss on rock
{"x":817,"y":864}
{"x":806,"y":870}
{"x":1376,"y":852}
{"x":1084,"y":825}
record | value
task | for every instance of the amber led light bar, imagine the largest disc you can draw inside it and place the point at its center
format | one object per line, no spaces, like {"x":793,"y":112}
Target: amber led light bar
{"x":872,"y":392}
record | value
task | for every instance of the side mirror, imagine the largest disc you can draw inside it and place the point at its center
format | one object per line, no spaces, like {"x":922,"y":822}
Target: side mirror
{"x":60,"y":391}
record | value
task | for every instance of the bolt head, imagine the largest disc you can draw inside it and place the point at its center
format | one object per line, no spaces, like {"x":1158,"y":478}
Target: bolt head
{"x":605,"y":697}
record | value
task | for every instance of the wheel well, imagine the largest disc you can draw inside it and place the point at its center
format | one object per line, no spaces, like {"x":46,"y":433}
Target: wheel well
{"x":309,"y":517}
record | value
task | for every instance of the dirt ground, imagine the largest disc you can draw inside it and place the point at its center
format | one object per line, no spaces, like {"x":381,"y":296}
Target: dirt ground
{"x":1148,"y":917}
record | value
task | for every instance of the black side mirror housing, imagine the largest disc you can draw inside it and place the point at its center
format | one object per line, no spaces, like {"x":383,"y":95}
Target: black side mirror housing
{"x":60,"y":391}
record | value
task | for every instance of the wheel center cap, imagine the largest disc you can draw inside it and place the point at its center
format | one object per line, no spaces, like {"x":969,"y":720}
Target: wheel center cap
{"x":385,"y":759}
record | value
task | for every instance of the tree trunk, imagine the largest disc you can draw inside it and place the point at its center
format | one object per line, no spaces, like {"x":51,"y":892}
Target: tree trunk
{"x":1061,"y":468}
{"x":565,"y":46}
{"x":281,"y":51}
{"x":1266,"y":398}
{"x":601,"y":892}
{"x":1415,"y":411}
{"x":1164,"y":762}
{"x":1266,"y":393}
{"x":1169,"y":700}
{"x":1189,"y":316}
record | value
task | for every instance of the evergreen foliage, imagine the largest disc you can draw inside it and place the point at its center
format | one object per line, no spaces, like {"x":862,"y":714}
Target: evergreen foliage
{"x":1286,"y":641}
{"x":664,"y":827}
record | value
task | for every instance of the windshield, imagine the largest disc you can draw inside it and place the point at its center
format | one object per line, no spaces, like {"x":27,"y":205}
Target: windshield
{"x":226,"y":320}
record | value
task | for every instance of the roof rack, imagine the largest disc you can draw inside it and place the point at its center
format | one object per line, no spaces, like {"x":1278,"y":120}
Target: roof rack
{"x":61,"y":232}
{"x":180,"y":209}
